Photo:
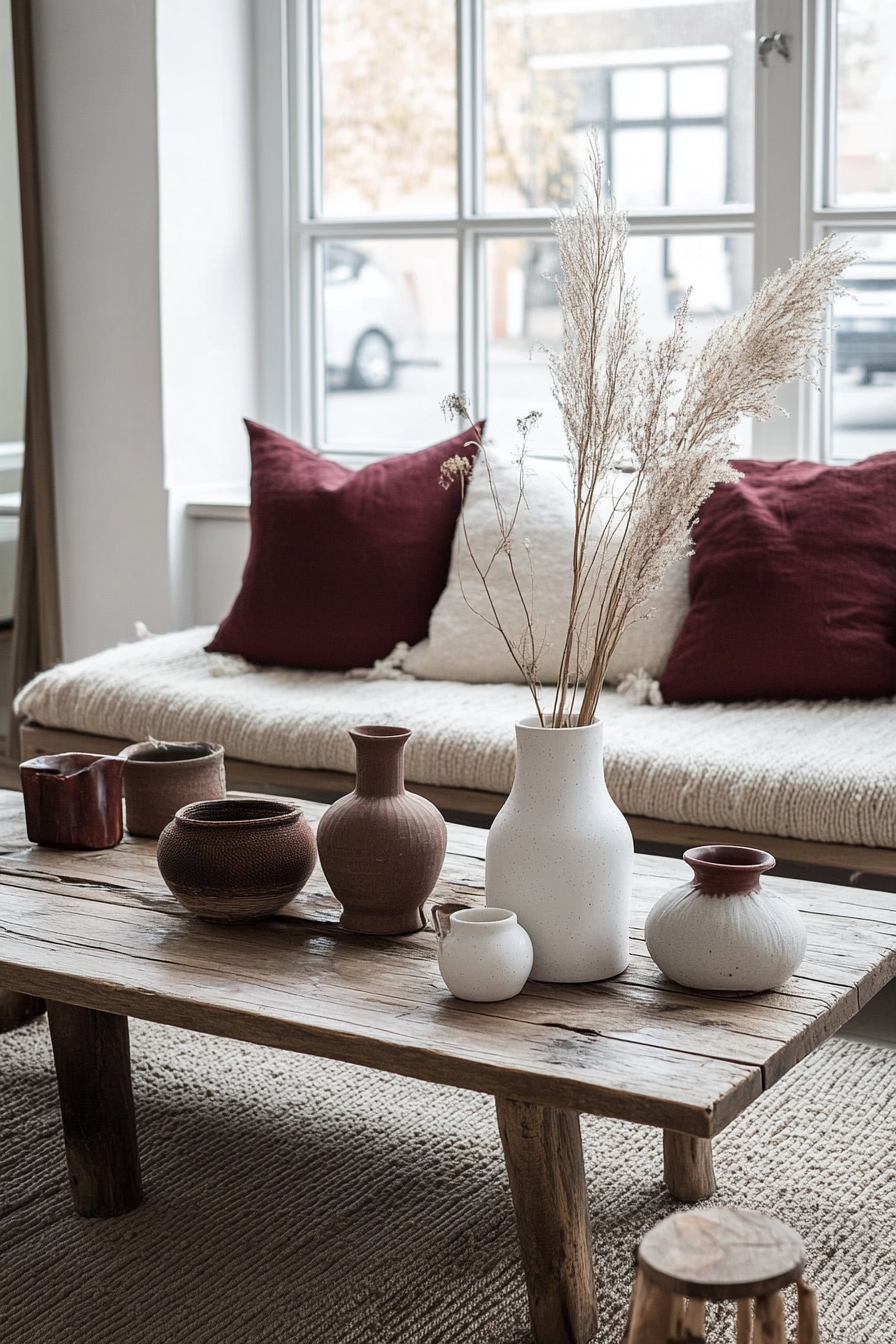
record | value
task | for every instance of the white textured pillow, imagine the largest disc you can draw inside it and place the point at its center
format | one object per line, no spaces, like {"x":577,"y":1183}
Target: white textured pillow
{"x":461,"y":646}
{"x":646,"y":644}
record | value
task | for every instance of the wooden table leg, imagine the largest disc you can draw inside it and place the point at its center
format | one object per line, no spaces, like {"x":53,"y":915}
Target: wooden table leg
{"x":687,"y":1166}
{"x":93,"y":1072}
{"x":17,"y":1009}
{"x":543,"y":1152}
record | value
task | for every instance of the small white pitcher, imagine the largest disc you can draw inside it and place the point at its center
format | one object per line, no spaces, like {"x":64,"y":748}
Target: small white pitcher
{"x":484,"y":954}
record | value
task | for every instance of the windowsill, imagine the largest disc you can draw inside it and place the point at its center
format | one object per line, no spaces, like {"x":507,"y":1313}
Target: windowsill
{"x":229,"y":511}
{"x":231,"y":504}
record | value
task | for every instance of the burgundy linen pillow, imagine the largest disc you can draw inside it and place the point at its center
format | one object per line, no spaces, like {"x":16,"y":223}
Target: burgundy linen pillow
{"x":342,"y":564}
{"x":793,"y":586}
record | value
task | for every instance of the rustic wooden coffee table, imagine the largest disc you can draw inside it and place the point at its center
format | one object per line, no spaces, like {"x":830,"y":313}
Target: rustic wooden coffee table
{"x":98,"y":935}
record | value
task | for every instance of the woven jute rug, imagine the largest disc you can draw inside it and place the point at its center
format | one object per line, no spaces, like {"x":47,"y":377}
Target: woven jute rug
{"x":300,"y":1201}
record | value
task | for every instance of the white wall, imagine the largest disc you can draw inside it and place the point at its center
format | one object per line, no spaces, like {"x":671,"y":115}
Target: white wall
{"x":12,"y":294}
{"x":146,"y":129}
{"x":208,"y":293}
{"x":219,"y":546}
{"x":96,"y":87}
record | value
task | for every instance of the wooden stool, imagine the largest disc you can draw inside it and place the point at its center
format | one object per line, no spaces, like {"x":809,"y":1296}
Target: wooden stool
{"x":719,"y":1255}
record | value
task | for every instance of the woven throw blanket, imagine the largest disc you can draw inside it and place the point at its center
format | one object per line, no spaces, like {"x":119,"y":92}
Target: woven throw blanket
{"x":810,"y":770}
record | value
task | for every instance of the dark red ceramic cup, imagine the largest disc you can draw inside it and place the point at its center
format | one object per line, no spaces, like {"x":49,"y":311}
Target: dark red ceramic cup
{"x":73,"y":800}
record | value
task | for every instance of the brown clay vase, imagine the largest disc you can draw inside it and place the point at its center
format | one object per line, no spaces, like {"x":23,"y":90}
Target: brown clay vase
{"x":236,"y":859}
{"x":381,"y":848}
{"x":162,"y":777}
{"x":73,"y":800}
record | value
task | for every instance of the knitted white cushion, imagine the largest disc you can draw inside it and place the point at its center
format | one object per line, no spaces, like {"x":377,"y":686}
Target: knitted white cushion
{"x":463,"y":643}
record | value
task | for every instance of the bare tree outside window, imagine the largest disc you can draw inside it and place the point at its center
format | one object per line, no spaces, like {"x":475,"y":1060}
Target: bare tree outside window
{"x":389,"y":107}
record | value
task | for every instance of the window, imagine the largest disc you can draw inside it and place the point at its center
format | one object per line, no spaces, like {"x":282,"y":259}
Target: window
{"x":412,"y":156}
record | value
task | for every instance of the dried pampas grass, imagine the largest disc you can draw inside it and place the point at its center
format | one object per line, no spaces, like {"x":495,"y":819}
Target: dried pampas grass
{"x":668,"y":415}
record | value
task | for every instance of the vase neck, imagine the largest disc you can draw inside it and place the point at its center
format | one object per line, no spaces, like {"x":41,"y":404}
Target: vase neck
{"x":379,"y":764}
{"x":559,"y":766}
{"x":728,"y":870}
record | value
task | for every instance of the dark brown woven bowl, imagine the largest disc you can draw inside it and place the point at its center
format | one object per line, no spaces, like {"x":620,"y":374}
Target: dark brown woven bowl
{"x":237,"y":859}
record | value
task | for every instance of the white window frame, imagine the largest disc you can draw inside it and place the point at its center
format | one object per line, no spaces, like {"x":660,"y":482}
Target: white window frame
{"x":825,"y":218}
{"x":793,"y":148}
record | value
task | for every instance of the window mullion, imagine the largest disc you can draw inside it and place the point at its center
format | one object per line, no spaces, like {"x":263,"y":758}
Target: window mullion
{"x":782,"y":143}
{"x":306,"y":319}
{"x":469,"y":190}
{"x":467,"y":108}
{"x":783,"y":187}
{"x":825,"y":106}
{"x":273,"y":148}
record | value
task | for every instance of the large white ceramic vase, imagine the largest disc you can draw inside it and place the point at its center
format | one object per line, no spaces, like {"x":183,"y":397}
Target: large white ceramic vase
{"x":559,"y":854}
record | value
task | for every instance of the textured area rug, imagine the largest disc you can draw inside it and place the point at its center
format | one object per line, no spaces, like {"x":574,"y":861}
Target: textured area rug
{"x":301,"y":1201}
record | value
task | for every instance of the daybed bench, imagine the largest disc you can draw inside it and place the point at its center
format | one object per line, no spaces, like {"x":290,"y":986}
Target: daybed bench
{"x":813,"y":781}
{"x":791,"y":593}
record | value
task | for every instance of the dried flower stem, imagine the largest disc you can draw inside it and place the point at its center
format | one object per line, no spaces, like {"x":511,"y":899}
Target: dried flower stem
{"x":523,"y":647}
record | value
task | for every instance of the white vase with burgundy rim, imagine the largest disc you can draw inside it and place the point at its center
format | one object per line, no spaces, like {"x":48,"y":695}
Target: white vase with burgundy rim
{"x":559,"y":855}
{"x":723,"y":931}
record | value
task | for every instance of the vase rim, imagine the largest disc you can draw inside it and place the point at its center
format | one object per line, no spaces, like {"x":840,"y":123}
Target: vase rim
{"x":532,"y":724}
{"x":486,"y":916}
{"x":380,"y":732}
{"x":730,"y":858}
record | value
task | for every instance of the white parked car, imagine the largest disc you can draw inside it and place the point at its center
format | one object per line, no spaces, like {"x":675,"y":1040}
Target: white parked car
{"x":362,"y":316}
{"x":865,"y":320}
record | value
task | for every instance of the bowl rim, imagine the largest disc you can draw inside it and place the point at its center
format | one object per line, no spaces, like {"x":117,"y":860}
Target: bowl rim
{"x":205,"y":751}
{"x":268,"y":812}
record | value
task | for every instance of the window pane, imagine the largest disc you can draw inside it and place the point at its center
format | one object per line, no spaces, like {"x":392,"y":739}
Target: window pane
{"x":523,"y":311}
{"x":554,"y":68}
{"x":697,"y":166}
{"x":863,"y":360}
{"x":389,"y":122}
{"x":698,"y":91}
{"x":638,"y":166}
{"x":866,"y":102}
{"x":639,"y":95}
{"x":390,"y":319}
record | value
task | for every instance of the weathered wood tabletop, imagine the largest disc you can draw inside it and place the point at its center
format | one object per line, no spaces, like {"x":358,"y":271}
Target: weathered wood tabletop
{"x":99,"y":931}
